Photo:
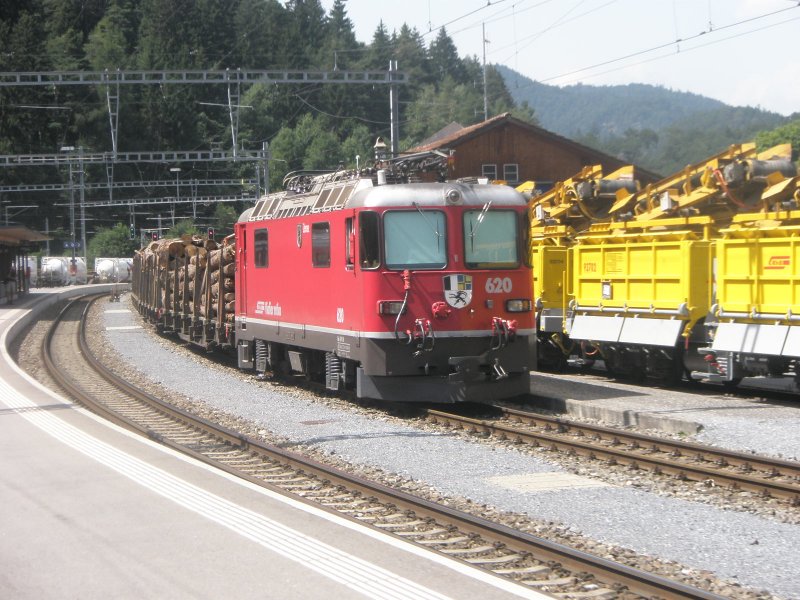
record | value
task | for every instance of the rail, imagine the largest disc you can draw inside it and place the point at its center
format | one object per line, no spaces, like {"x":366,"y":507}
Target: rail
{"x":771,"y":477}
{"x":521,"y":557}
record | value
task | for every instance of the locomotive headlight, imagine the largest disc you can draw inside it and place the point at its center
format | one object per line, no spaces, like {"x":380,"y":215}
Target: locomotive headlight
{"x":390,"y":307}
{"x":453,"y":196}
{"x":518,"y":305}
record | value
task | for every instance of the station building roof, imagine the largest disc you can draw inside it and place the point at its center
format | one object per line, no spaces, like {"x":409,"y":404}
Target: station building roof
{"x":16,"y":235}
{"x":541,"y":155}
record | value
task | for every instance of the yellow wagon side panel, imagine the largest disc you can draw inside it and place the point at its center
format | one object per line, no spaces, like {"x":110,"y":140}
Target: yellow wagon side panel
{"x":644,"y":275}
{"x":780,"y":277}
{"x":550,"y":266}
{"x":759,"y":275}
{"x":588,"y":274}
{"x":735,"y":286}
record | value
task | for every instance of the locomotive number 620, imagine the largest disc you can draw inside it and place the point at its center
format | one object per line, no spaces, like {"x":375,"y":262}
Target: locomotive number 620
{"x":498,"y":285}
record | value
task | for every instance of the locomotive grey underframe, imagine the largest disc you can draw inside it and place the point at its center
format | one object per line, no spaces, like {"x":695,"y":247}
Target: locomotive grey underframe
{"x":468,"y":356}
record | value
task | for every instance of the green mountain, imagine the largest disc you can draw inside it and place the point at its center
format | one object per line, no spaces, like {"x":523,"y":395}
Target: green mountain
{"x":657,"y":128}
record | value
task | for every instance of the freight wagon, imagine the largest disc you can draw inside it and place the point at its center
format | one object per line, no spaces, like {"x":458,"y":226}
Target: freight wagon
{"x":693,"y":276}
{"x":112,"y":270}
{"x":62,"y":270}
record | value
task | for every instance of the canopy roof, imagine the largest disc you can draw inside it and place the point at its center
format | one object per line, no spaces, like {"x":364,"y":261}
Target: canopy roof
{"x":16,"y":235}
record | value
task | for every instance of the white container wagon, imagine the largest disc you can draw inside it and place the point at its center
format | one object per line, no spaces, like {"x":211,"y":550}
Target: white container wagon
{"x":112,"y":270}
{"x":60,"y":270}
{"x":55,"y":271}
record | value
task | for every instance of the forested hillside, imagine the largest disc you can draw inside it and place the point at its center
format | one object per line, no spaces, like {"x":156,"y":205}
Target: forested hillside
{"x":307,"y":126}
{"x":311,"y":126}
{"x":657,"y":128}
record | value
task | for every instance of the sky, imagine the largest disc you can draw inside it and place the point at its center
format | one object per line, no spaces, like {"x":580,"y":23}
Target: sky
{"x":742,"y":52}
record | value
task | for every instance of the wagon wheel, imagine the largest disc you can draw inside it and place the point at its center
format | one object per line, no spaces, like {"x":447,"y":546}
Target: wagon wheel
{"x":552,"y":358}
{"x":637,"y":375}
{"x":732,"y":384}
{"x":671,"y":371}
{"x":687,"y":375}
{"x":560,"y":363}
{"x":589,"y":353}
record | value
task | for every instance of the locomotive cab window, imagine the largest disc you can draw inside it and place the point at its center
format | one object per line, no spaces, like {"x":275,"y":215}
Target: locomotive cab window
{"x":260,"y":248}
{"x":415,"y":239}
{"x":369,"y":252}
{"x":321,"y":244}
{"x":491,"y":239}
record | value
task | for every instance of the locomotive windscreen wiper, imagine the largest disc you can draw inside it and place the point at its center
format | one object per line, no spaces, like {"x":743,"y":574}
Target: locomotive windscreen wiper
{"x":433,"y":228}
{"x":474,"y":231}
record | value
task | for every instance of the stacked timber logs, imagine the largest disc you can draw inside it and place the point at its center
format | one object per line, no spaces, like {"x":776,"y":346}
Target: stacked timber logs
{"x":222,"y":271}
{"x":196,"y":276}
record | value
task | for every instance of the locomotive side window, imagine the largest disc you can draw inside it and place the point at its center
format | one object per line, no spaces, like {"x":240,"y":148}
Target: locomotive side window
{"x":349,"y":243}
{"x":491,"y":239}
{"x":321,"y":244}
{"x":525,"y":237}
{"x":415,"y":240}
{"x":260,"y":248}
{"x":369,"y":254}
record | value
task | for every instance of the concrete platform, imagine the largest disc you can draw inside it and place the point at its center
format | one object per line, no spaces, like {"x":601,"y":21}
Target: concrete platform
{"x":682,"y":411}
{"x":597,"y":397}
{"x":92,"y":511}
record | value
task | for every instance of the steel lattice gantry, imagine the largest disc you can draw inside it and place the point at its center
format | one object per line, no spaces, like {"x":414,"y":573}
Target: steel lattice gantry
{"x":111,"y":80}
{"x":233,"y":78}
{"x":76,"y":159}
{"x":101,"y":185}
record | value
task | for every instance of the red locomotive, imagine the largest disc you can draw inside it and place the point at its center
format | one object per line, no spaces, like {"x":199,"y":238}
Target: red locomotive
{"x":401,"y":291}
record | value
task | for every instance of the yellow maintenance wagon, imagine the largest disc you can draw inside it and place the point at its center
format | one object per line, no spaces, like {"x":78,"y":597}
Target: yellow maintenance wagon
{"x":756,"y":315}
{"x":551,"y":262}
{"x":637,"y":277}
{"x":555,"y":218}
{"x":638,"y":290}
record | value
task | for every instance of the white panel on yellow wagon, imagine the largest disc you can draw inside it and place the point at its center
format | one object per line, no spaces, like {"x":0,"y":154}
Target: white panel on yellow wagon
{"x":596,"y":328}
{"x":750,"y":338}
{"x":651,"y":332}
{"x":792,"y":345}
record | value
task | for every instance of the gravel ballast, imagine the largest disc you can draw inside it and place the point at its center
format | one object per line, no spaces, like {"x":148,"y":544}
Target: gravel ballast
{"x":750,"y":549}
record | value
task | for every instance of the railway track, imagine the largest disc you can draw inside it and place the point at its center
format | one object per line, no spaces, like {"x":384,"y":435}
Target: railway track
{"x":530,"y":561}
{"x":770,"y":477}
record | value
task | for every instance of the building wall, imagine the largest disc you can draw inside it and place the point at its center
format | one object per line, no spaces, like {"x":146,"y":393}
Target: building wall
{"x":539,"y":158}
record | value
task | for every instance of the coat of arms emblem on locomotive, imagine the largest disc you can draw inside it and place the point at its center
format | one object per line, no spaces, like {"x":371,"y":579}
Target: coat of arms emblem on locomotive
{"x":457,"y":290}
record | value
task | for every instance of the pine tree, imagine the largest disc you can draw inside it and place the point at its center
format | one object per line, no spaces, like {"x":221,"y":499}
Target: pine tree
{"x":110,"y":44}
{"x":444,"y":58}
{"x":260,"y":41}
{"x":380,"y":50}
{"x":306,"y":27}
